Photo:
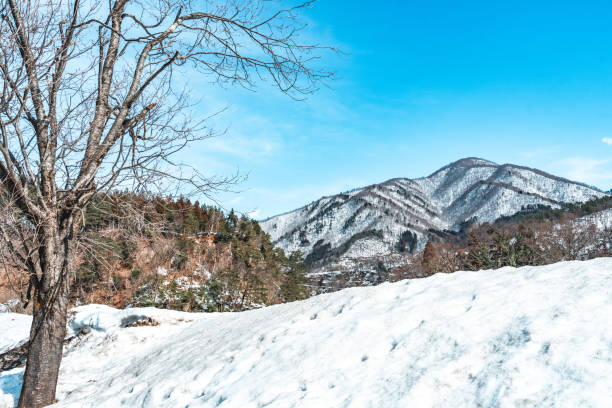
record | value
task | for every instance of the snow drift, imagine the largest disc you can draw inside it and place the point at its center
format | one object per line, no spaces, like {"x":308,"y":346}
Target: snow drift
{"x":526,"y":337}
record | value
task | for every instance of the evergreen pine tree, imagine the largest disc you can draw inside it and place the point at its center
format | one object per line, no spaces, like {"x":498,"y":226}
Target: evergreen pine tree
{"x":294,"y":286}
{"x":430,"y":258}
{"x":478,"y":256}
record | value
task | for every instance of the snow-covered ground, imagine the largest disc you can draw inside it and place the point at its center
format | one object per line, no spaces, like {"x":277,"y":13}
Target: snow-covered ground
{"x":526,"y":337}
{"x":14,"y":329}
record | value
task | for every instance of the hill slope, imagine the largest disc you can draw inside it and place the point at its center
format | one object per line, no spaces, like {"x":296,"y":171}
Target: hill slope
{"x":397,"y":215}
{"x":511,"y":337}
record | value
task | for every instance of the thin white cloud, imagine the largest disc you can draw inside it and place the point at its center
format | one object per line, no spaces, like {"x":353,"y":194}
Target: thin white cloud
{"x":283,"y":199}
{"x":586,"y":170}
{"x":607,"y":140}
{"x":543,"y":151}
{"x":242,"y":147}
{"x":254,"y":213}
{"x":234,"y":201}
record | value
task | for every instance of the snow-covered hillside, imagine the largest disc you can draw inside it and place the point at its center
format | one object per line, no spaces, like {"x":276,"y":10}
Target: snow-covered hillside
{"x":602,"y":220}
{"x":527,"y":337}
{"x":397,"y":215}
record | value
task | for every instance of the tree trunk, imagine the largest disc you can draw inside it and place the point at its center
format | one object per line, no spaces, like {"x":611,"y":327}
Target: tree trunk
{"x":47,"y":332}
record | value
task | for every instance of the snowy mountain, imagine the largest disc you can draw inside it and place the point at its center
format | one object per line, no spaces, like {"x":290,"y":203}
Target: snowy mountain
{"x":527,"y":337}
{"x":398,"y":215}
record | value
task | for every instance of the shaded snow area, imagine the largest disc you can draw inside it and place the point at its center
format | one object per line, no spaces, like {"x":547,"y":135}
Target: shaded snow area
{"x":526,"y":337}
{"x":14,"y":330}
{"x":9,"y":306}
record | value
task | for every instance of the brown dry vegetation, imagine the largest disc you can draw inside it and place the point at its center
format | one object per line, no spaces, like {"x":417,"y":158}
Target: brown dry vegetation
{"x":182,"y":256}
{"x":510,"y":243}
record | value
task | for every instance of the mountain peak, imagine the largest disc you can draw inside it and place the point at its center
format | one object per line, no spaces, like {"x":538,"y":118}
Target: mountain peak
{"x":400,"y":214}
{"x":473,"y":161}
{"x":466,"y":162}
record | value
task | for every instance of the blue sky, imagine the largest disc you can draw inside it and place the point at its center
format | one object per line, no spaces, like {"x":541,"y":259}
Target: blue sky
{"x":421,"y":84}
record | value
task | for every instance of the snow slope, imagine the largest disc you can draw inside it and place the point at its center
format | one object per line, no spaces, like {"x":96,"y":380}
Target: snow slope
{"x":14,"y":329}
{"x":373,"y":218}
{"x":602,"y":220}
{"x":527,"y":337}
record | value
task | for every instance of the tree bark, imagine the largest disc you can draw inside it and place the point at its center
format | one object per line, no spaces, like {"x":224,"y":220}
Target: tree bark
{"x":49,"y":323}
{"x":45,"y":352}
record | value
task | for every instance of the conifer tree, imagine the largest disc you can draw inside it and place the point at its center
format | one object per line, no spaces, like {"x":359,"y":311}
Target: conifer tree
{"x":429,"y":262}
{"x":478,"y":253}
{"x":294,"y":287}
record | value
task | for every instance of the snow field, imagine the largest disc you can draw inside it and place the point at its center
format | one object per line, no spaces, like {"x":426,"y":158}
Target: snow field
{"x":14,"y":330}
{"x":526,"y":337}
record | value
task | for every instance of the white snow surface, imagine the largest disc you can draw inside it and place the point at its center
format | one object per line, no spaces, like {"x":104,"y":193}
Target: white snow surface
{"x":526,"y":337}
{"x":602,"y":219}
{"x":14,"y":330}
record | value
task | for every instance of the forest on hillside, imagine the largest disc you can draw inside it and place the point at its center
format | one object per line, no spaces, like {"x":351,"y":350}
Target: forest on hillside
{"x":156,"y":251}
{"x":535,"y":236}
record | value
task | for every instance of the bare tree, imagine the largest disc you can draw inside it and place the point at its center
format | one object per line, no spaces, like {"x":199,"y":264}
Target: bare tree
{"x":92,"y":100}
{"x":569,"y":239}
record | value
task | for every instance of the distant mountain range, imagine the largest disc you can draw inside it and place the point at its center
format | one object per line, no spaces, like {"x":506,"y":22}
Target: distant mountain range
{"x":399,"y":215}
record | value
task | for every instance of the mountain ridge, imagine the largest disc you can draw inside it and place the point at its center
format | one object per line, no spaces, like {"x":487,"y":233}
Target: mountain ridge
{"x":399,"y":214}
{"x":493,"y":164}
